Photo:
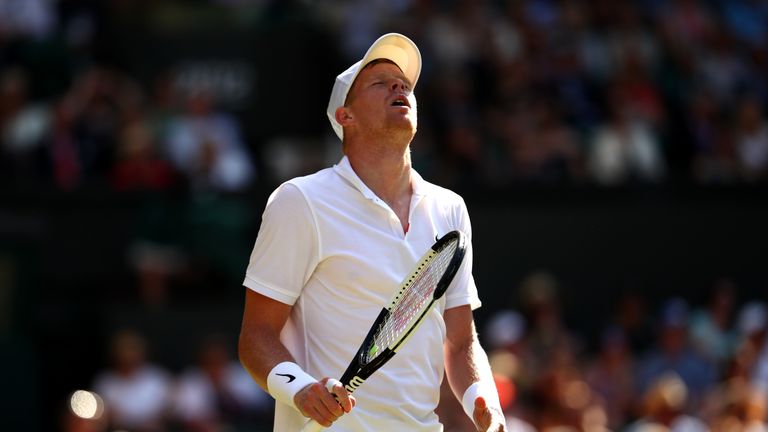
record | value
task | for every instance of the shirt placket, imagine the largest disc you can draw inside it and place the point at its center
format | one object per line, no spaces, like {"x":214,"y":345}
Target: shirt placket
{"x":392,"y":219}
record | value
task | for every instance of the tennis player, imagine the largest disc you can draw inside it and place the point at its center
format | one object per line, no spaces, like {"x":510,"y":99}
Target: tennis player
{"x":331,"y":250}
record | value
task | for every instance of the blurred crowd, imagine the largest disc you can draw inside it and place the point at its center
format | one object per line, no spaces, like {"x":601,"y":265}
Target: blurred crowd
{"x":675,"y":367}
{"x":133,"y":393}
{"x":70,"y":119}
{"x":536,"y":91}
{"x":609,"y":92}
{"x":103,"y":132}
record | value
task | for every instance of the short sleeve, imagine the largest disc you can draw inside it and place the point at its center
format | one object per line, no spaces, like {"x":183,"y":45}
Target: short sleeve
{"x":286,"y":249}
{"x":463,"y":289}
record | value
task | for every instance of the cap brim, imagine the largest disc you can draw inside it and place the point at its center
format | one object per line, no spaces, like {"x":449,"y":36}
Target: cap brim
{"x":398,"y":49}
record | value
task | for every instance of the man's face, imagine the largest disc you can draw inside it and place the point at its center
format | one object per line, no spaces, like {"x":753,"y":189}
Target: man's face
{"x":381,"y":99}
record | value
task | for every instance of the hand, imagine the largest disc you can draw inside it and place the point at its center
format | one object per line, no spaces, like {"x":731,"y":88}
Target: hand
{"x":488,"y":419}
{"x":324,"y":401}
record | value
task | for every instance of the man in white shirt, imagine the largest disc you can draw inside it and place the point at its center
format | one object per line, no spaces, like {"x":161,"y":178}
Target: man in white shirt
{"x":331,"y":250}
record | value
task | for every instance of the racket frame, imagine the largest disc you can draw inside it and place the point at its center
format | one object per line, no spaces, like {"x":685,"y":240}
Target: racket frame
{"x":358,"y":371}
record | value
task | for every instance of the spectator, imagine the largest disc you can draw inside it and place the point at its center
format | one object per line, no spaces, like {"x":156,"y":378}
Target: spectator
{"x":624,"y":148}
{"x":81,"y":141}
{"x":741,"y":408}
{"x":465,"y":149}
{"x":546,"y":149}
{"x":504,"y":339}
{"x":138,"y":166}
{"x":720,"y":68}
{"x":610,"y":376}
{"x":714,"y":160}
{"x":559,"y":396}
{"x":672,"y":353}
{"x":136,"y":393}
{"x":710,"y":327}
{"x":688,"y":22}
{"x":637,"y":93}
{"x":751,"y":140}
{"x":218,"y":395}
{"x":206,"y":145}
{"x":632,"y":318}
{"x":664,"y":404}
{"x":752,"y":353}
{"x":23,"y":124}
{"x":548,"y":339}
{"x":457,"y":36}
{"x":566,"y":402}
{"x":504,"y":331}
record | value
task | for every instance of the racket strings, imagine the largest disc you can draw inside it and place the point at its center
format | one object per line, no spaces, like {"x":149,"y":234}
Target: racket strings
{"x":409,"y":307}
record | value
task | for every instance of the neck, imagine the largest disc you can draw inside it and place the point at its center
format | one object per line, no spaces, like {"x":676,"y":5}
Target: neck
{"x":385,"y":171}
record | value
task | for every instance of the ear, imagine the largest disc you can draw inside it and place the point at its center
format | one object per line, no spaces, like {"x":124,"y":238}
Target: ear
{"x":343,"y":116}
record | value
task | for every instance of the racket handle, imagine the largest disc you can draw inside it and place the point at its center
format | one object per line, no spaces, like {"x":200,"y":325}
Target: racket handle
{"x":312,"y":426}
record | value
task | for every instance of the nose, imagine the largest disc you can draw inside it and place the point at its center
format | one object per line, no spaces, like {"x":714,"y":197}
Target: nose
{"x":398,"y":84}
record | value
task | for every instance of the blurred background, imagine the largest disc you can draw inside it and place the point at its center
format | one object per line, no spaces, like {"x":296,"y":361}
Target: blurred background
{"x":613,"y":157}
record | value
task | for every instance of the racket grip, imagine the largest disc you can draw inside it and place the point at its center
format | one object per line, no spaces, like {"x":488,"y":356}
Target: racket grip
{"x":312,"y":426}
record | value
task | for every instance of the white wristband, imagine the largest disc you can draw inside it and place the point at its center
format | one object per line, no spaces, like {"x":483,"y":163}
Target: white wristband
{"x":479,"y":388}
{"x":285,"y":380}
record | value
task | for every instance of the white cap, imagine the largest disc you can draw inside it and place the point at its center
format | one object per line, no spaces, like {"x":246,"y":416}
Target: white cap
{"x":392,"y":46}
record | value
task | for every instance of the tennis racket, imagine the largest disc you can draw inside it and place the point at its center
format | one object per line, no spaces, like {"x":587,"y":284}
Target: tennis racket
{"x":398,"y":321}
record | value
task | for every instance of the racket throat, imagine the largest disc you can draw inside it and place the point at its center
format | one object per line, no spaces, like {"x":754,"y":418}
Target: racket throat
{"x":354,"y":383}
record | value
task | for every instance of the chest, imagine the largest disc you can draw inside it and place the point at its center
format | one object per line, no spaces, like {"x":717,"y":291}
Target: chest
{"x":366,"y":243}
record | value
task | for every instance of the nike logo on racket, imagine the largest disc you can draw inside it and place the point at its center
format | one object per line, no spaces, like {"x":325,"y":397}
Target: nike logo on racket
{"x":289,"y":376}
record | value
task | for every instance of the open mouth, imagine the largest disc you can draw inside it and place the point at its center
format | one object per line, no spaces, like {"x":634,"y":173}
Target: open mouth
{"x":401,"y":101}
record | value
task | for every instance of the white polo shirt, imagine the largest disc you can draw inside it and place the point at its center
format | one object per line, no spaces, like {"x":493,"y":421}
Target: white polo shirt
{"x":331,"y":248}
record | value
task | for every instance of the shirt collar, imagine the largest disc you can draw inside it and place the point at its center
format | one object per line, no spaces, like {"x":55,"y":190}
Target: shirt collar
{"x":344,"y":169}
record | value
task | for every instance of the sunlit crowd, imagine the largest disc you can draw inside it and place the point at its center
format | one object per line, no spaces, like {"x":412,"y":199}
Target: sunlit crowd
{"x":675,"y":366}
{"x":512,"y":92}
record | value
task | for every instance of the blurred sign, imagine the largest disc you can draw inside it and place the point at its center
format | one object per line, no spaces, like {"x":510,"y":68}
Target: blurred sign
{"x":230,"y":83}
{"x":276,"y":78}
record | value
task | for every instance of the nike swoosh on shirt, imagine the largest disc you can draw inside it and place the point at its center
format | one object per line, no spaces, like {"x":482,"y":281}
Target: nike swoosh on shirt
{"x":289,"y":376}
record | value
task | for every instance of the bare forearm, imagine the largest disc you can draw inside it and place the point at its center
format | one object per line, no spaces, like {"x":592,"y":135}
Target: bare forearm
{"x":260,"y":350}
{"x":469,"y":373}
{"x":259,"y":347}
{"x":466,"y":364}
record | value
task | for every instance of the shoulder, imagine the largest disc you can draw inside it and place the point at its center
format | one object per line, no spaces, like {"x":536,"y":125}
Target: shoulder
{"x":313,"y":180}
{"x":298,"y":189}
{"x":309,"y":185}
{"x":449,"y":204}
{"x":441,"y":195}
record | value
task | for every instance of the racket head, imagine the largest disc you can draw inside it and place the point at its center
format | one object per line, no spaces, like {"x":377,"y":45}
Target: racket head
{"x":456,"y":258}
{"x":426,"y":283}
